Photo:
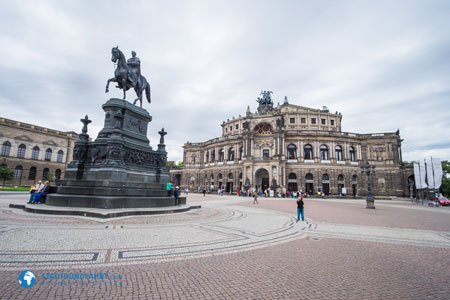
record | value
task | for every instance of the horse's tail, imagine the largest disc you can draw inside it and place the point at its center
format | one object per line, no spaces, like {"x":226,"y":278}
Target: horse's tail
{"x":147,"y":92}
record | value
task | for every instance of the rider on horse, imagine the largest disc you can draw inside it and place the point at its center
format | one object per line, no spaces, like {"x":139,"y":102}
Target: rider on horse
{"x":134,"y":65}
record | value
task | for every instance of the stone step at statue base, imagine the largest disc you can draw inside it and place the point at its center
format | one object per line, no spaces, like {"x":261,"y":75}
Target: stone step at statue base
{"x":110,"y":202}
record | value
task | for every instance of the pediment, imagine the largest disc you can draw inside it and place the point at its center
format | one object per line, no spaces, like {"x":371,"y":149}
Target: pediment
{"x":23,"y":138}
{"x":50,"y":143}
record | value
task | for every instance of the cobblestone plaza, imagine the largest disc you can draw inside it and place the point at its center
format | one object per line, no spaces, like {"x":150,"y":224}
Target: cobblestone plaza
{"x":231,"y":249}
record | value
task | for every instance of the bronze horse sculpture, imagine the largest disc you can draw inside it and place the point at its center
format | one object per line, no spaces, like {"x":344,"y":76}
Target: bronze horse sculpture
{"x":124,"y":79}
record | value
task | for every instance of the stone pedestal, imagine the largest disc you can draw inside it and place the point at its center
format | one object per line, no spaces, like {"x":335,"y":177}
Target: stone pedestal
{"x":119,"y":169}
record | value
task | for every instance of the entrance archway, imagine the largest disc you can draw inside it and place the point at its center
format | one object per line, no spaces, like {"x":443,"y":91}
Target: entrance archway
{"x":326,"y":184}
{"x":177,"y":180}
{"x":309,"y":184}
{"x":292,"y":182}
{"x":262,"y":179}
{"x":229,"y":187}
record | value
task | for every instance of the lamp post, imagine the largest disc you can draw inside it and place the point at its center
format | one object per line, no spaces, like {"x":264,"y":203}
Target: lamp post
{"x":367,"y":168}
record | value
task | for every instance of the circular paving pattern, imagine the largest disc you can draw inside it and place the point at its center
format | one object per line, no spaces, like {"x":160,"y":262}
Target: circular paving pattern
{"x":30,"y":241}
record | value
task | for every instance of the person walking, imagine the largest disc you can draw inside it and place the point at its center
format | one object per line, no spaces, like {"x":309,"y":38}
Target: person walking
{"x":255,"y":198}
{"x":204,"y":192}
{"x":300,"y":209}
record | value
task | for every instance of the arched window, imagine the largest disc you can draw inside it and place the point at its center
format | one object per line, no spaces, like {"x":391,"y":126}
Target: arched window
{"x":323,"y":152}
{"x":35,"y":153}
{"x":58,"y":174}
{"x":309,"y":176}
{"x":32,"y":175}
{"x":212,"y":179}
{"x":21,"y":151}
{"x":241,"y":151}
{"x":6,"y":148}
{"x":325,"y":177}
{"x":45,"y":173}
{"x":338,"y":153}
{"x":193,"y":159}
{"x":18,"y":172}
{"x":292,"y":151}
{"x":354,"y":178}
{"x":308,"y":150}
{"x":219,"y":177}
{"x":48,"y":154}
{"x":59,"y":157}
{"x":340,"y":177}
{"x":231,"y":154}
{"x":230,"y":177}
{"x":352,"y":153}
{"x":213,"y":156}
{"x":263,"y":128}
{"x":221,"y":154}
{"x":207,"y":157}
{"x":292,"y":176}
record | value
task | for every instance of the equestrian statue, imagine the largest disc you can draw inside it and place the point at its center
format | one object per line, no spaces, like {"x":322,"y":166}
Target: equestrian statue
{"x":128,"y":74}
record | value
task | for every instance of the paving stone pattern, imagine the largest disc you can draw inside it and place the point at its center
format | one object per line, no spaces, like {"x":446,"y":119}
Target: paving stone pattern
{"x":232,"y":249}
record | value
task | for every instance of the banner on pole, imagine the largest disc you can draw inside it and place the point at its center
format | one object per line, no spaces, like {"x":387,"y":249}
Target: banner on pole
{"x":417,"y":176}
{"x":437,"y":172}
{"x":423,"y":173}
{"x":430,"y":177}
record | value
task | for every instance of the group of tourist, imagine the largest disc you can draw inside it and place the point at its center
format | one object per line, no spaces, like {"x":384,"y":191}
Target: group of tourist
{"x":39,"y":191}
{"x":175,"y":192}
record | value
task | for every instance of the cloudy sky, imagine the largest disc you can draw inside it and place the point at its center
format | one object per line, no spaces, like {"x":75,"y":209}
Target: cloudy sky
{"x":383,"y":64}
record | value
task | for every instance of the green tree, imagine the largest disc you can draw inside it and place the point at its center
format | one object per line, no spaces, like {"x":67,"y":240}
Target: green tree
{"x":50,"y":177}
{"x":6,"y":174}
{"x":445,"y":187}
{"x":180,"y":164}
{"x":170,"y":164}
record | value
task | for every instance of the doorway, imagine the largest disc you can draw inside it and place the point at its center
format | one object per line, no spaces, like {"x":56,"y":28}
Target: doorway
{"x":262,"y":179}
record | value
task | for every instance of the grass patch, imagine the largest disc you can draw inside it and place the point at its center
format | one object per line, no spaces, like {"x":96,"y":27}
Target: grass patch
{"x":15,"y":188}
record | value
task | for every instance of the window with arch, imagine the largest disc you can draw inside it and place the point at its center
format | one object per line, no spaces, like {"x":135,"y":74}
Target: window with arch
{"x":354,"y":178}
{"x":352,"y":153}
{"x":221,"y":155}
{"x":309,"y":176}
{"x":18,"y":172}
{"x":241,"y":151}
{"x":207,"y":157}
{"x":219,"y":177}
{"x":263,"y":128}
{"x":58,"y":174}
{"x":340,"y":177}
{"x":308,"y":150}
{"x":59,"y":156}
{"x":231,"y":154}
{"x":323,"y":152}
{"x":35,"y":152}
{"x":6,"y":148}
{"x":32,"y":174}
{"x":213,"y":156}
{"x":212,"y":179}
{"x":292,"y":176}
{"x":339,"y":153}
{"x":21,"y":151}
{"x":45,"y":173}
{"x":48,"y":154}
{"x":325,"y":177}
{"x":292,"y":151}
{"x":193,"y":159}
{"x":230,"y":177}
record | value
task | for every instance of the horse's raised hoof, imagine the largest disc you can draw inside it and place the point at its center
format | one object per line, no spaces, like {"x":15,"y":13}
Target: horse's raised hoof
{"x":106,"y":90}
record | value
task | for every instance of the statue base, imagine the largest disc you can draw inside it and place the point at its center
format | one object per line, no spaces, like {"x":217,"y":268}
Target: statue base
{"x":119,"y":169}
